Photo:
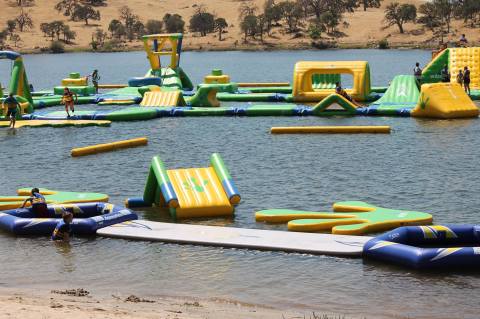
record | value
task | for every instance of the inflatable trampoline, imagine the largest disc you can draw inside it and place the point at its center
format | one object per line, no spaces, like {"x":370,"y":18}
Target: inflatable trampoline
{"x":87,"y":218}
{"x":425,"y":247}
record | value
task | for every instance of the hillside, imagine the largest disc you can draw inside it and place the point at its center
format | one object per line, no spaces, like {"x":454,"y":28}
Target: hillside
{"x":365,"y":28}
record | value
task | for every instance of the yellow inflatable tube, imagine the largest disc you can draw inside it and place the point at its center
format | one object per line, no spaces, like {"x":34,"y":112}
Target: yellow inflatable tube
{"x":330,"y":129}
{"x":100,"y":148}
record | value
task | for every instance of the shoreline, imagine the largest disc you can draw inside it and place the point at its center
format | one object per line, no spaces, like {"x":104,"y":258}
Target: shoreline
{"x":81,"y":303}
{"x":245,"y":48}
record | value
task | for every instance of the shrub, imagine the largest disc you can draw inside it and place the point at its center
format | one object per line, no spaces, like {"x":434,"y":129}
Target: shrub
{"x":57,"y":47}
{"x":383,"y":44}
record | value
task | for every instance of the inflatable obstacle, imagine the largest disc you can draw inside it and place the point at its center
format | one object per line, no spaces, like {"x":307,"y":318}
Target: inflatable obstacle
{"x":427,"y":247}
{"x":304,"y":89}
{"x":334,"y":104}
{"x":108,"y":147}
{"x":400,"y":98}
{"x":190,"y":192}
{"x":52,"y":197}
{"x":349,"y":218}
{"x":324,"y":244}
{"x":446,"y":101}
{"x":330,"y":129}
{"x":58,"y":123}
{"x":87,"y":218}
{"x":163,"y":98}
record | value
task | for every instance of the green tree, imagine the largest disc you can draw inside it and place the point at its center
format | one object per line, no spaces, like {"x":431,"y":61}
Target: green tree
{"x":220,"y":25}
{"x":154,"y":26}
{"x":114,"y":27}
{"x":249,"y":26}
{"x":11,"y":27}
{"x":369,"y":4}
{"x":15,"y":38}
{"x":469,"y":11}
{"x":24,"y":21}
{"x":445,"y":10}
{"x":429,"y":16}
{"x":67,"y":7}
{"x":330,"y":20}
{"x":68,"y":34}
{"x":273,"y":14}
{"x":292,"y":13}
{"x":173,"y":23}
{"x":399,"y":14}
{"x":47,"y":30}
{"x":202,"y":22}
{"x":96,"y":3}
{"x":315,"y":29}
{"x":24,"y":3}
{"x":85,"y":13}
{"x":338,"y":6}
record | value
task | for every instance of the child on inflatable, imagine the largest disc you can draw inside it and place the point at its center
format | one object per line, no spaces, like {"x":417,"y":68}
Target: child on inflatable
{"x":38,"y":203}
{"x":67,"y":99}
{"x":340,"y":91}
{"x":63,"y":231}
{"x":12,"y":104}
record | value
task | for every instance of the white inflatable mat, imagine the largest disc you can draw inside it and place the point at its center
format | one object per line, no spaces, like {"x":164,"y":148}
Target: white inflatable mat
{"x":311,"y":243}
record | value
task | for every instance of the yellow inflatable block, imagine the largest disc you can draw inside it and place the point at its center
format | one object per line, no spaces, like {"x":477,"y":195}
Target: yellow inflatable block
{"x":445,"y":101}
{"x":330,"y":129}
{"x":162,"y":98}
{"x":461,"y":57}
{"x":222,"y":79}
{"x":303,"y":90}
{"x":75,"y":82}
{"x":107,"y":147}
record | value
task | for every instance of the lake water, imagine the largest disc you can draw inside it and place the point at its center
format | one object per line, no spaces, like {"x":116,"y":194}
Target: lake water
{"x":424,"y":165}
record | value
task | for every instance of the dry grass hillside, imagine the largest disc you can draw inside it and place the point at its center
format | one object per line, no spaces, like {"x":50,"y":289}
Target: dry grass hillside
{"x":365,"y":28}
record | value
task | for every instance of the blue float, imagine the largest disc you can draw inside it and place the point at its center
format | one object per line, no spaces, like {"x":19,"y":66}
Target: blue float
{"x":144,"y":81}
{"x":87,"y":218}
{"x":425,"y":247}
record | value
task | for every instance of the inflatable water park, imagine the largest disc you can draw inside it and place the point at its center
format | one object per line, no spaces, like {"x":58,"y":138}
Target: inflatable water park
{"x":166,"y":91}
{"x":353,"y":228}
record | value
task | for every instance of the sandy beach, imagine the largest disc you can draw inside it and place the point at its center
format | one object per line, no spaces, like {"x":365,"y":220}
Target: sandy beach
{"x":81,"y":304}
{"x":363,"y":28}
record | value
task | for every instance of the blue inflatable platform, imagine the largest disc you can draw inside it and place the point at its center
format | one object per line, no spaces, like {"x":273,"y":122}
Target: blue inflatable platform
{"x":426,"y":247}
{"x":87,"y":218}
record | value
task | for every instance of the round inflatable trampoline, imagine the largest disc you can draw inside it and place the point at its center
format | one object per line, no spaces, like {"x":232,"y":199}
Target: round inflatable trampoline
{"x":87,"y":218}
{"x":425,"y":247}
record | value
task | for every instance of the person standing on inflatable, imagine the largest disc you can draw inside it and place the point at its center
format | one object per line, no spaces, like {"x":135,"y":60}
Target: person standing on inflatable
{"x":466,"y":79}
{"x":68,"y":100}
{"x":12,"y":104}
{"x":445,"y":74}
{"x":95,"y":79}
{"x":38,"y":203}
{"x":417,"y":72}
{"x":63,"y":231}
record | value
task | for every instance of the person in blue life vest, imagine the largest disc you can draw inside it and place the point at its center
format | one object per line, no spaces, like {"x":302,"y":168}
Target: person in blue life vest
{"x":63,"y":231}
{"x":38,"y":203}
{"x":12,"y":107}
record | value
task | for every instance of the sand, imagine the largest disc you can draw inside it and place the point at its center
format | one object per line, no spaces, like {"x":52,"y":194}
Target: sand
{"x":81,"y":304}
{"x":365,"y":28}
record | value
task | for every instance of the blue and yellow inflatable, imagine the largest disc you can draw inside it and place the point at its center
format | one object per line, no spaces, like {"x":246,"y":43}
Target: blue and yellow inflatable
{"x":87,"y":218}
{"x":425,"y":247}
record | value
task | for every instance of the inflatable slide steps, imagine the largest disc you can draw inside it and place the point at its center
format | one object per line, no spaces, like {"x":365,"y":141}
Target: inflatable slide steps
{"x":445,"y":101}
{"x":230,"y":237}
{"x":191,"y":192}
{"x":163,"y":98}
{"x":399,"y":99}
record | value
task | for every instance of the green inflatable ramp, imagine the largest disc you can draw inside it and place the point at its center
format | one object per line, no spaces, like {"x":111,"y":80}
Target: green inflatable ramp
{"x":334,"y":104}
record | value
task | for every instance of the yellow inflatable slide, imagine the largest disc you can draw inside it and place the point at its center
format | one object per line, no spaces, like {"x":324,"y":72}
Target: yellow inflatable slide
{"x":444,"y":100}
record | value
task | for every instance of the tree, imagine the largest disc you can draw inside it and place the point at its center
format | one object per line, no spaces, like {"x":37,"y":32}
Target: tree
{"x":220,"y":25}
{"x":173,"y":23}
{"x":46,"y":28}
{"x":154,"y":26}
{"x":11,"y":27}
{"x":15,"y":38}
{"x":291,"y":13}
{"x":57,"y":28}
{"x":273,"y":13}
{"x":67,"y":7}
{"x":99,"y":36}
{"x":429,"y":16}
{"x":249,"y":26}
{"x":130,"y":21}
{"x":399,"y":14}
{"x":261,"y":25}
{"x":321,"y":6}
{"x":202,"y":22}
{"x":115,"y":28}
{"x":85,"y":13}
{"x":469,"y":11}
{"x":369,"y":4}
{"x":315,"y":29}
{"x":24,"y":3}
{"x":24,"y":21}
{"x":68,"y":34}
{"x":330,"y":20}
{"x":96,"y":3}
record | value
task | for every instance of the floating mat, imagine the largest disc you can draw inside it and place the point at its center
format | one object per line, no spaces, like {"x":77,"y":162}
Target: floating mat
{"x":108,"y":147}
{"x":330,"y":129}
{"x":56,"y":123}
{"x":324,"y":244}
{"x":163,"y":98}
{"x":52,"y":197}
{"x":357,"y":218}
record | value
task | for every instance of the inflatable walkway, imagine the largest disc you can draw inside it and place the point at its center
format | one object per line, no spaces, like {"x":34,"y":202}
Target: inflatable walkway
{"x":399,"y":99}
{"x":190,"y":192}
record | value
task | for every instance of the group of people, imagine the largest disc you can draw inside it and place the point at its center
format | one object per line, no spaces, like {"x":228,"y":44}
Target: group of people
{"x":38,"y":204}
{"x":463,"y":76}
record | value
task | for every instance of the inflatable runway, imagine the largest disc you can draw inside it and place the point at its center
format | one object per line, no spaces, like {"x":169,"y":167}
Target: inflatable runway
{"x":311,"y":243}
